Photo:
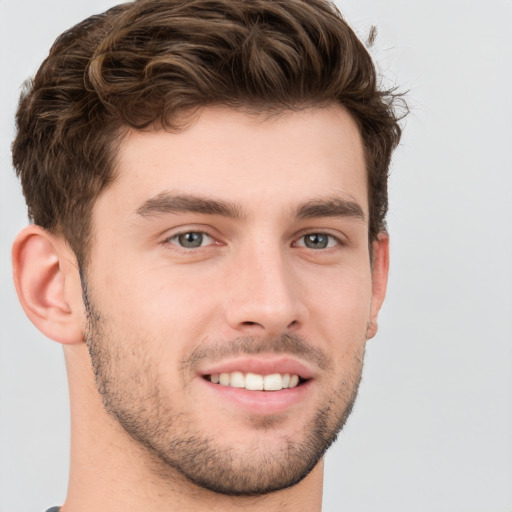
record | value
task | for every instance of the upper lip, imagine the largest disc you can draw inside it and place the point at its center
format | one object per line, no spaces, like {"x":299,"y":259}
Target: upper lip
{"x":260,"y":365}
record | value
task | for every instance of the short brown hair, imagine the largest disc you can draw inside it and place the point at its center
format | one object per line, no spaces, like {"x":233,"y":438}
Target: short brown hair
{"x":143,"y":64}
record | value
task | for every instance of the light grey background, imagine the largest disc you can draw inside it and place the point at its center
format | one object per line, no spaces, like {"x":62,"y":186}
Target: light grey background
{"x":432,"y":429}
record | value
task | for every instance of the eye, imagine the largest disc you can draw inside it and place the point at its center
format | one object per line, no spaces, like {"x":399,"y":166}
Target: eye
{"x":191,"y":239}
{"x":318,"y":241}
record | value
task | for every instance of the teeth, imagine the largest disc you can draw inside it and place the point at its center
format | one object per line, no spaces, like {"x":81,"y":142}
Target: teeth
{"x":255,"y":382}
{"x":237,"y":380}
{"x":272,"y":382}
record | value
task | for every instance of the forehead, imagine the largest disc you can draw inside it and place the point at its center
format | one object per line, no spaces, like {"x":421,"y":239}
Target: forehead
{"x":254,"y":161}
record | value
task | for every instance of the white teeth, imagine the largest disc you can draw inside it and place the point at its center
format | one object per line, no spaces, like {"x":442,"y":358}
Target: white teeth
{"x":294,"y":381}
{"x":272,"y":382}
{"x":255,"y":382}
{"x":237,"y":380}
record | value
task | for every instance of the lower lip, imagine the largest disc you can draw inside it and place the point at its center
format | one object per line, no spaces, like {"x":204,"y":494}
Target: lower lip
{"x":260,"y":402}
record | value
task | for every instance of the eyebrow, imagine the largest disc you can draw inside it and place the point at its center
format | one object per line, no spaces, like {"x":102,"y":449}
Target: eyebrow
{"x":166,"y":202}
{"x":332,"y":207}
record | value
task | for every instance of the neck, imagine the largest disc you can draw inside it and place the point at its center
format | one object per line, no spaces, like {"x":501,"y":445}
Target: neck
{"x":111,"y":472}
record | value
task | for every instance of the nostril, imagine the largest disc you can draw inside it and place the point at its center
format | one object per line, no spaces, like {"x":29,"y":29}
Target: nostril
{"x":249,"y":323}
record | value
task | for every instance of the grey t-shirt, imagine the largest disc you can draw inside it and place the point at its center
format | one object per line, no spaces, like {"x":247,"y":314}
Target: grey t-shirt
{"x":53,"y":509}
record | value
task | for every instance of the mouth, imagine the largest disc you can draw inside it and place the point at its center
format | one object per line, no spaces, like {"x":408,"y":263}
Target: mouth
{"x":256,"y":382}
{"x":261,"y":385}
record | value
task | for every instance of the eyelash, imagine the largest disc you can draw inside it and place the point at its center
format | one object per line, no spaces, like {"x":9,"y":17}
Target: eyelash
{"x":332,"y":240}
{"x":198,"y":232}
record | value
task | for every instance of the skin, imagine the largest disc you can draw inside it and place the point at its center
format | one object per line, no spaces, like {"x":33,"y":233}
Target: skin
{"x":161,"y":316}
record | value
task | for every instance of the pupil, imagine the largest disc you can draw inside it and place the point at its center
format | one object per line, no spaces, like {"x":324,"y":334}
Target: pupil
{"x":316,"y":241}
{"x":191,"y":239}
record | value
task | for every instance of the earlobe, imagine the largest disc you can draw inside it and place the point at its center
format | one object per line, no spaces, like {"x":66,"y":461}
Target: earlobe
{"x":48,"y":284}
{"x":380,"y":270}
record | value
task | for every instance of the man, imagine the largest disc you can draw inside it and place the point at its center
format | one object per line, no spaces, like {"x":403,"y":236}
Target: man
{"x":207,"y":182}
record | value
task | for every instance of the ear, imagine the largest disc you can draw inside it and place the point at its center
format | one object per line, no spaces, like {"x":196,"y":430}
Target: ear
{"x":48,"y":284}
{"x":380,"y":270}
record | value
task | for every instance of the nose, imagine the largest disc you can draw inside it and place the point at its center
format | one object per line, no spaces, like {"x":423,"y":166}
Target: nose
{"x":263,"y":293}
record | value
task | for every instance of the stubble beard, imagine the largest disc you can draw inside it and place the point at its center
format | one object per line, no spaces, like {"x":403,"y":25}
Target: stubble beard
{"x":175,"y":445}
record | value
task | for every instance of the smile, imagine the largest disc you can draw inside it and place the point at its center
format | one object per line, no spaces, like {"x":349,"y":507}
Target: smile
{"x":256,"y":382}
{"x":262,"y":385}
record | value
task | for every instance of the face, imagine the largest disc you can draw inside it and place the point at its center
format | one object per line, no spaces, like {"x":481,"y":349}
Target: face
{"x":229,"y":294}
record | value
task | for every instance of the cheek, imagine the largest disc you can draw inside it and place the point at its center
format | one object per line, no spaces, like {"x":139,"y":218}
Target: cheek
{"x":164,"y":314}
{"x":340,"y":309}
{"x":150,"y":292}
{"x":344,"y":292}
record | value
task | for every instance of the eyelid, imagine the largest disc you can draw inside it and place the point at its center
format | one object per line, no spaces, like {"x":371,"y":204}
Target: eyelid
{"x":339,"y":238}
{"x":169,"y":239}
{"x":202,"y":233}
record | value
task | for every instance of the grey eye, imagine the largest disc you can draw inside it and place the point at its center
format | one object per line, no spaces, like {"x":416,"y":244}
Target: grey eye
{"x":317,"y":241}
{"x":191,"y":239}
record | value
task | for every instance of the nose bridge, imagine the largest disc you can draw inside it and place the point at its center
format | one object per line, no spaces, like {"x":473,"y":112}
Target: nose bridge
{"x":263,"y":292}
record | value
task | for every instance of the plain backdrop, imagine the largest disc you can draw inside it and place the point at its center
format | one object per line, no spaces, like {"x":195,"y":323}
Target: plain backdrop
{"x":432,"y":428}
